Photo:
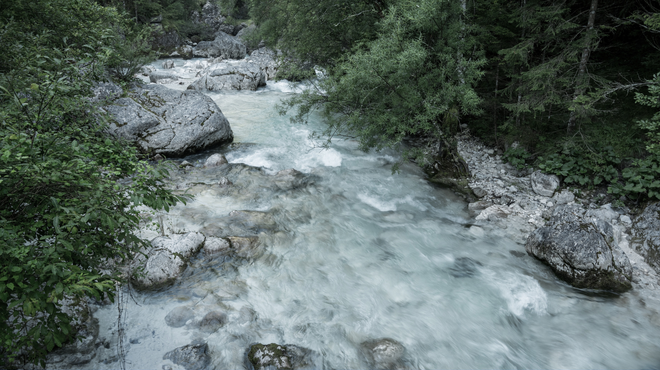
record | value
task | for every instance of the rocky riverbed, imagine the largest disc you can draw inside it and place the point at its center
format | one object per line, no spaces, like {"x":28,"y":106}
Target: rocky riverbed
{"x":294,"y":256}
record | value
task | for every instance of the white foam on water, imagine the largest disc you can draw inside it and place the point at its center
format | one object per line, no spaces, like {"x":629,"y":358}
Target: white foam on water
{"x":521,"y":292}
{"x":377,"y":203}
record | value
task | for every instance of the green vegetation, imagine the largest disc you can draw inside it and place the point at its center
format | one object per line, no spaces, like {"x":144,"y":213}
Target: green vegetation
{"x":553,"y":76}
{"x":69,"y":195}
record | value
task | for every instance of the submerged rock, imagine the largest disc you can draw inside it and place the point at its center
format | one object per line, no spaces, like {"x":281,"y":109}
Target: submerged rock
{"x":383,"y":353}
{"x":191,"y":357}
{"x":464,"y":267}
{"x":646,"y":235}
{"x":583,"y":252}
{"x":212,"y":321}
{"x":277,"y":357}
{"x":290,"y":179}
{"x":242,"y":223}
{"x":179,"y":316}
{"x":160,"y":76}
{"x":169,"y":122}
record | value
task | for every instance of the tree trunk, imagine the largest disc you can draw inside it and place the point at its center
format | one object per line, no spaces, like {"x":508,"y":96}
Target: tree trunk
{"x":581,"y":83}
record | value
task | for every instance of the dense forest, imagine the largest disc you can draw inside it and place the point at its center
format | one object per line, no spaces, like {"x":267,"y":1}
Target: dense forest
{"x":569,"y":87}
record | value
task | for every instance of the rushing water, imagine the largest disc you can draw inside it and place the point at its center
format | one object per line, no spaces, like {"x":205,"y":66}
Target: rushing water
{"x":360,"y":254}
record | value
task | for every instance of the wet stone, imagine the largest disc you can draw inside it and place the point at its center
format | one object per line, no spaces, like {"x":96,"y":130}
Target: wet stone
{"x":212,"y":321}
{"x":215,"y":160}
{"x":179,"y":316}
{"x":191,"y":357}
{"x":464,"y":267}
{"x":277,"y":357}
{"x":384,"y":353}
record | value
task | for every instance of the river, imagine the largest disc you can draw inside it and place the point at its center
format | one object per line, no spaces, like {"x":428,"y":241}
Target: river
{"x":359,"y":253}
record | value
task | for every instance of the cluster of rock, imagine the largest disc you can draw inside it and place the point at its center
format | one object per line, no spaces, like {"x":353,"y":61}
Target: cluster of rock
{"x":585,"y":245}
{"x":171,"y":44}
{"x":163,"y":121}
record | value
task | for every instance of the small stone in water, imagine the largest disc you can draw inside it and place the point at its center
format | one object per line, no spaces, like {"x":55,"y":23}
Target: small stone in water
{"x":215,"y":160}
{"x":464,"y":267}
{"x":213,"y":321}
{"x":179,"y":316}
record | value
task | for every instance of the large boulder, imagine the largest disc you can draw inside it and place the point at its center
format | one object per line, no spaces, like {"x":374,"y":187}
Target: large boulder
{"x":191,"y":357}
{"x":166,"y":260}
{"x":278,"y":357}
{"x":224,"y":45}
{"x":544,"y":184}
{"x":582,"y":251}
{"x":266,"y":59}
{"x":240,"y":76}
{"x":646,"y":235}
{"x":169,"y":122}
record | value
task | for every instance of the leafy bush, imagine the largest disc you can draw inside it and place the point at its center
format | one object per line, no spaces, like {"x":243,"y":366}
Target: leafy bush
{"x":582,"y":167}
{"x":517,"y":157}
{"x":129,"y":53}
{"x":69,"y":195}
{"x":641,"y":180}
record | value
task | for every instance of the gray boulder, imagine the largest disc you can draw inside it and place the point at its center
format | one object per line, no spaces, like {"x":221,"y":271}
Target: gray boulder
{"x":544,"y":184}
{"x":166,"y":260}
{"x":240,"y":76}
{"x":169,"y":122}
{"x":383,"y":353}
{"x":224,"y":45}
{"x":646,"y":235}
{"x":266,"y":59}
{"x":583,"y":252}
{"x":191,"y":357}
{"x":215,"y":245}
{"x":278,"y":357}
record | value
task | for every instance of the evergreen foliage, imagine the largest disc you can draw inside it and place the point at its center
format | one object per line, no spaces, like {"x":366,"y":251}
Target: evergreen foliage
{"x":415,"y":78}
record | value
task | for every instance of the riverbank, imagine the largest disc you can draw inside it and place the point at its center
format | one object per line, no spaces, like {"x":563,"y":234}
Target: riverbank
{"x":507,"y":201}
